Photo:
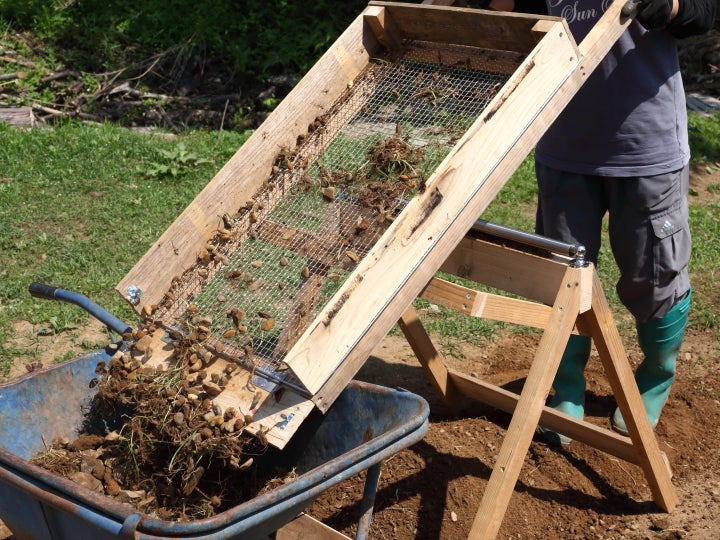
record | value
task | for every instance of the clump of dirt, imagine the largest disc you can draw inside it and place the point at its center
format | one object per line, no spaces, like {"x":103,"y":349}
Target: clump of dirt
{"x":394,"y":173}
{"x":394,"y":156}
{"x":153,"y":437}
{"x":391,"y":171}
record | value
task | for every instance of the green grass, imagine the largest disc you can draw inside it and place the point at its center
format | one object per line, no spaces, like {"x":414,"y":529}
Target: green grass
{"x":78,"y":207}
{"x":704,"y":136}
{"x":256,"y":38}
{"x":80,"y":204}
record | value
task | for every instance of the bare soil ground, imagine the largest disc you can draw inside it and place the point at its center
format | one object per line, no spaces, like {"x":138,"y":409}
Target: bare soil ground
{"x":433,"y":489}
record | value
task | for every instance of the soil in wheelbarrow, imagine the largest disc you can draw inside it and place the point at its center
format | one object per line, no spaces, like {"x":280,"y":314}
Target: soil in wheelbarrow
{"x":154,"y":438}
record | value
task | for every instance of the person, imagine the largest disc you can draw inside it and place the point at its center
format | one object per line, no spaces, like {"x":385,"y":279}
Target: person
{"x":621,"y":147}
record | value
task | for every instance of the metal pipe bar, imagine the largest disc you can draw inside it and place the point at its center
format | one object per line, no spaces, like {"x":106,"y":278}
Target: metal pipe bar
{"x":576,"y":251}
{"x":368,"y":501}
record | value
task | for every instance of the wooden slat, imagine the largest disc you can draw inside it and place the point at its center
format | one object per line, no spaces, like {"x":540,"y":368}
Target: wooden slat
{"x":384,"y":28}
{"x":246,"y":171}
{"x":506,"y":401}
{"x":430,"y":359}
{"x":389,"y":278}
{"x":486,"y":305}
{"x":463,"y":26}
{"x":516,"y":272}
{"x":306,"y":527}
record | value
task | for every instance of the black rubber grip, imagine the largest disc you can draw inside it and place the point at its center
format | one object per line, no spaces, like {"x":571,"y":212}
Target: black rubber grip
{"x":40,"y":290}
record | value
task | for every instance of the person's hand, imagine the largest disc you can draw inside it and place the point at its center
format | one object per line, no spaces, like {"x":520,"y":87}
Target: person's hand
{"x":654,"y":14}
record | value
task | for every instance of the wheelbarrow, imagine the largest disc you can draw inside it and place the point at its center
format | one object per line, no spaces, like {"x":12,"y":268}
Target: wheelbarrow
{"x":366,"y":425}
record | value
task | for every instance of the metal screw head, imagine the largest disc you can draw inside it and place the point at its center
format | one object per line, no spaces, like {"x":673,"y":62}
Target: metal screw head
{"x":133,"y":294}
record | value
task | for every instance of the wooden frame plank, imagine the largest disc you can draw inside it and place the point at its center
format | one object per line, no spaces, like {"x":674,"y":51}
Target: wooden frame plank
{"x":383,"y":27}
{"x":478,"y":28}
{"x":429,"y":357}
{"x":533,"y":277}
{"x":306,"y":527}
{"x":486,"y":305}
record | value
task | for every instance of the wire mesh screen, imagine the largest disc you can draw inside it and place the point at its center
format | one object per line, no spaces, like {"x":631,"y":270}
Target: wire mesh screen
{"x":261,"y":281}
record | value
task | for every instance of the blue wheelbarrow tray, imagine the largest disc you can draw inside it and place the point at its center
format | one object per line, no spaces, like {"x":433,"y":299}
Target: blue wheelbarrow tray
{"x":365,"y":425}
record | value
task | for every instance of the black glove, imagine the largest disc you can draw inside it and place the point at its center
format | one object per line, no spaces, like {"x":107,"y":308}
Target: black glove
{"x":654,"y":14}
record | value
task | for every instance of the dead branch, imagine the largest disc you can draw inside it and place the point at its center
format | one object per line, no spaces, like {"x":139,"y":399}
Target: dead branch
{"x":12,"y":76}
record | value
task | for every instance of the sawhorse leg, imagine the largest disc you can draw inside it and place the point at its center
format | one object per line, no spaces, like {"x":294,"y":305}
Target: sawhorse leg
{"x":529,"y":408}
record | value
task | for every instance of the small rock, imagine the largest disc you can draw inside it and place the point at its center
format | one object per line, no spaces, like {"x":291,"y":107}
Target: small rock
{"x":129,"y":496}
{"x":329,"y":193}
{"x":661,"y":523}
{"x":143,"y":344}
{"x":87,"y":480}
{"x":211,"y":388}
{"x":112,"y":488}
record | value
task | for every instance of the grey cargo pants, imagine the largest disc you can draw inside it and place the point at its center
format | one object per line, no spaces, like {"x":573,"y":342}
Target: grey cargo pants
{"x":647,"y":224}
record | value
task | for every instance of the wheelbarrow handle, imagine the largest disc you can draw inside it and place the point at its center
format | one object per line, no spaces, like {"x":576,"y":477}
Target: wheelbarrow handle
{"x":48,"y":292}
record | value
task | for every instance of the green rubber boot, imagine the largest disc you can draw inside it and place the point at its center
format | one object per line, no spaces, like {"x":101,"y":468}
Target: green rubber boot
{"x":569,"y":385}
{"x":660,"y":341}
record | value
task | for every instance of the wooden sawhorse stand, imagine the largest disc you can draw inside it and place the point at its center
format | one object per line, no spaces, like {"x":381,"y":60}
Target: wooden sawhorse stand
{"x":565,"y":298}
